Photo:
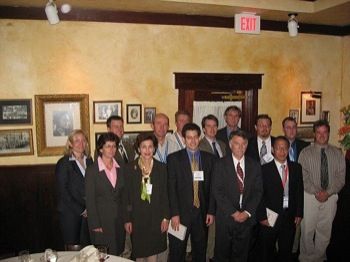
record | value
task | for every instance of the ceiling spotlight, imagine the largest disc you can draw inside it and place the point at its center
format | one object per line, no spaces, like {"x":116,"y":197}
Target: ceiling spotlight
{"x":52,"y":12}
{"x":293,"y":25}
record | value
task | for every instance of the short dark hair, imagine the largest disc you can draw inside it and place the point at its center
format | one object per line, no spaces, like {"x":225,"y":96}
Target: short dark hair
{"x":239,"y":133}
{"x":210,"y":117}
{"x":182,"y":112}
{"x":192,"y":127}
{"x":288,"y":118}
{"x":233,"y":108}
{"x":111,"y":118}
{"x":281,"y":138}
{"x":104,"y":138}
{"x":144,"y":137}
{"x":263,"y":116}
{"x":320,"y":123}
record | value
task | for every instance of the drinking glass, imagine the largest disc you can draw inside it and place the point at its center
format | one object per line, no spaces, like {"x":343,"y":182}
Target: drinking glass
{"x":101,"y":253}
{"x":24,"y":256}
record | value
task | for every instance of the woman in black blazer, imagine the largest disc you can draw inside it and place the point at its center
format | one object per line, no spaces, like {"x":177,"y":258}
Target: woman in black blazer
{"x":104,"y":191}
{"x":70,"y":180}
{"x":147,"y":206}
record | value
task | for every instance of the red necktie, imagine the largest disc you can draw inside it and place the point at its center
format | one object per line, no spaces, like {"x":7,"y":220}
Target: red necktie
{"x":240,"y":178}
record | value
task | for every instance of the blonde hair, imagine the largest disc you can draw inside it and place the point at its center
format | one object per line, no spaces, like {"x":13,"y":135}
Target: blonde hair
{"x":68,"y":149}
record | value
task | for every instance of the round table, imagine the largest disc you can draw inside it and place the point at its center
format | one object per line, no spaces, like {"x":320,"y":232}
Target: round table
{"x":65,"y":256}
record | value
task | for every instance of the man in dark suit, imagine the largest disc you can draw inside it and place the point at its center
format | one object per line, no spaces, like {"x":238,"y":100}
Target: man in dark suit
{"x":209,"y":143}
{"x":237,"y":189}
{"x":284,"y":195}
{"x":232,"y":116}
{"x":125,"y":152}
{"x":189,"y":178}
{"x":296,"y":145}
{"x":260,"y":146}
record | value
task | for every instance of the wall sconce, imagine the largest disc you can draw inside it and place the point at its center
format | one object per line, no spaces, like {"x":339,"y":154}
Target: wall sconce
{"x":293,"y":25}
{"x":52,"y":13}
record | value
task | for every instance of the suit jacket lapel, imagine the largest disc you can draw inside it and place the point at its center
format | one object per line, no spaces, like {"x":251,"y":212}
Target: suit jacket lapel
{"x":76,"y":168}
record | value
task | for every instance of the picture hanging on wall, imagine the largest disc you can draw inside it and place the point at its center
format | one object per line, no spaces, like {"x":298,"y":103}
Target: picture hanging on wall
{"x":56,"y":117}
{"x":16,"y":142}
{"x":310,"y":107}
{"x":133,"y":114}
{"x":104,"y":109}
{"x":15,"y":111}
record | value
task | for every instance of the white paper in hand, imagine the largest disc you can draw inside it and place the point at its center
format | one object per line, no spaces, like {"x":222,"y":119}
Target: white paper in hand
{"x":271,"y":216}
{"x":178,"y":234}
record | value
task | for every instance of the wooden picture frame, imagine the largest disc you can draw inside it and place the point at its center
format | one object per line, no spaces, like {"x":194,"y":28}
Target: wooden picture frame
{"x":16,"y":142}
{"x":310,"y":107}
{"x":149,"y":114}
{"x":56,"y":117}
{"x":134,"y":114}
{"x":15,"y":111}
{"x":305,"y":133}
{"x":294,"y":113}
{"x":104,"y":109}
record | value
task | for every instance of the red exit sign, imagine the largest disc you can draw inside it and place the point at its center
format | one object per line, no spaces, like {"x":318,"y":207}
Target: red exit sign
{"x":247,"y":23}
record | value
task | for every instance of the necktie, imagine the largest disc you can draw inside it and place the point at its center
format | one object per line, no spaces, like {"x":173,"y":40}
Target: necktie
{"x":123,"y":154}
{"x":263,"y":152}
{"x":291,"y":153}
{"x":324,"y":169}
{"x":216,"y":152}
{"x":194,"y":167}
{"x":284,"y":180}
{"x":240,"y":179}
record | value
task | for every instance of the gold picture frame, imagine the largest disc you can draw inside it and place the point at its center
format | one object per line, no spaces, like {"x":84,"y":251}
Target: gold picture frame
{"x":56,"y":117}
{"x":16,"y":142}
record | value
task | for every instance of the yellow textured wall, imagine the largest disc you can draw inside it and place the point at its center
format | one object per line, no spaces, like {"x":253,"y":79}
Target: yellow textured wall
{"x":345,"y":100}
{"x":135,"y":63}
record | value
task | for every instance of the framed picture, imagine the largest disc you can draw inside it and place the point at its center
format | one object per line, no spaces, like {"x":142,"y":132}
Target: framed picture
{"x":16,"y":111}
{"x":16,"y":142}
{"x":306,"y":133}
{"x":97,"y":135}
{"x":325,"y":115}
{"x":134,"y":114}
{"x":105,"y":109}
{"x":130,"y":137}
{"x":310,"y":107}
{"x":294,"y":113}
{"x":56,"y":117}
{"x":149,"y":114}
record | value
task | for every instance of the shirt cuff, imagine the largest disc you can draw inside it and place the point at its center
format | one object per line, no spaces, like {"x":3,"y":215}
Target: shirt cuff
{"x":249,"y":215}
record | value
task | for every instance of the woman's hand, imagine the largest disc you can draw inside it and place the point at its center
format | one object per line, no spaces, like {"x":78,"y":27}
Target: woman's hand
{"x":164,"y":225}
{"x":128,"y":227}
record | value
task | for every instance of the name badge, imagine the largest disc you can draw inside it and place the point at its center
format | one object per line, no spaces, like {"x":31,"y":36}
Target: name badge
{"x":198,"y":176}
{"x":285,"y":202}
{"x":268,"y":158}
{"x":149,"y":189}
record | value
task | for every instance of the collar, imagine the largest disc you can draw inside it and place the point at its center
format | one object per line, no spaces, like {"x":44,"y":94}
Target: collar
{"x":72,"y":158}
{"x":267,"y":140}
{"x":102,"y":166}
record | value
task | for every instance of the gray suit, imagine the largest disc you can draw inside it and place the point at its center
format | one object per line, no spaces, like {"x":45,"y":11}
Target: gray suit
{"x":204,"y":145}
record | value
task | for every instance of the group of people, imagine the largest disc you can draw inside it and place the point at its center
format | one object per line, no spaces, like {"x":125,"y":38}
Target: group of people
{"x":239,"y":197}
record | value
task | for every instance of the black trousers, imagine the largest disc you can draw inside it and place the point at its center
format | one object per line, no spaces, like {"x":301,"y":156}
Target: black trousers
{"x":74,"y":229}
{"x":283,"y":233}
{"x":232,"y":240}
{"x":199,"y":237}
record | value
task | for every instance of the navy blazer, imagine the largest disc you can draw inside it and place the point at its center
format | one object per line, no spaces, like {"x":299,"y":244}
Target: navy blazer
{"x":273,"y":190}
{"x":180,"y":185}
{"x":70,"y":186}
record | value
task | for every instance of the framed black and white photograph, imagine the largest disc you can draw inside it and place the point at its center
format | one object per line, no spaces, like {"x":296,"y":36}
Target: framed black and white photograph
{"x":134,"y":114}
{"x":310,"y":107}
{"x":149,"y":114}
{"x":325,"y":115}
{"x":56,"y":117}
{"x":305,"y":133}
{"x":15,"y":111}
{"x":294,"y":113}
{"x":104,"y":109}
{"x":16,"y":142}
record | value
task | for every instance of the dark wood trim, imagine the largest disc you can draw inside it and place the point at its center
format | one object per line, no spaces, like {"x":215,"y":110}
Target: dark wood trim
{"x":89,"y":15}
{"x":196,"y":86}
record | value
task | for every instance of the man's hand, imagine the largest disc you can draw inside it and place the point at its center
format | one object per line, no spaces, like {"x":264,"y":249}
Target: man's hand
{"x":98,"y":230}
{"x":297,"y":220}
{"x":175,"y":222}
{"x":210,"y":220}
{"x":240,"y":217}
{"x":322,"y":196}
{"x":265,"y":223}
{"x":164,"y":225}
{"x":84,"y":214}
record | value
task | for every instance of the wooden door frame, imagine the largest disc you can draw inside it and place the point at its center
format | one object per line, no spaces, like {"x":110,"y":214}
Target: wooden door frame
{"x":190,"y":84}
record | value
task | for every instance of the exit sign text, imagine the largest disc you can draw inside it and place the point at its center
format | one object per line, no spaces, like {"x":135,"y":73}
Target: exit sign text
{"x":247,"y":23}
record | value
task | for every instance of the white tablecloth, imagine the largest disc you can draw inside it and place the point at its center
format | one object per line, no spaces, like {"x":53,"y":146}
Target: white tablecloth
{"x":65,"y":256}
